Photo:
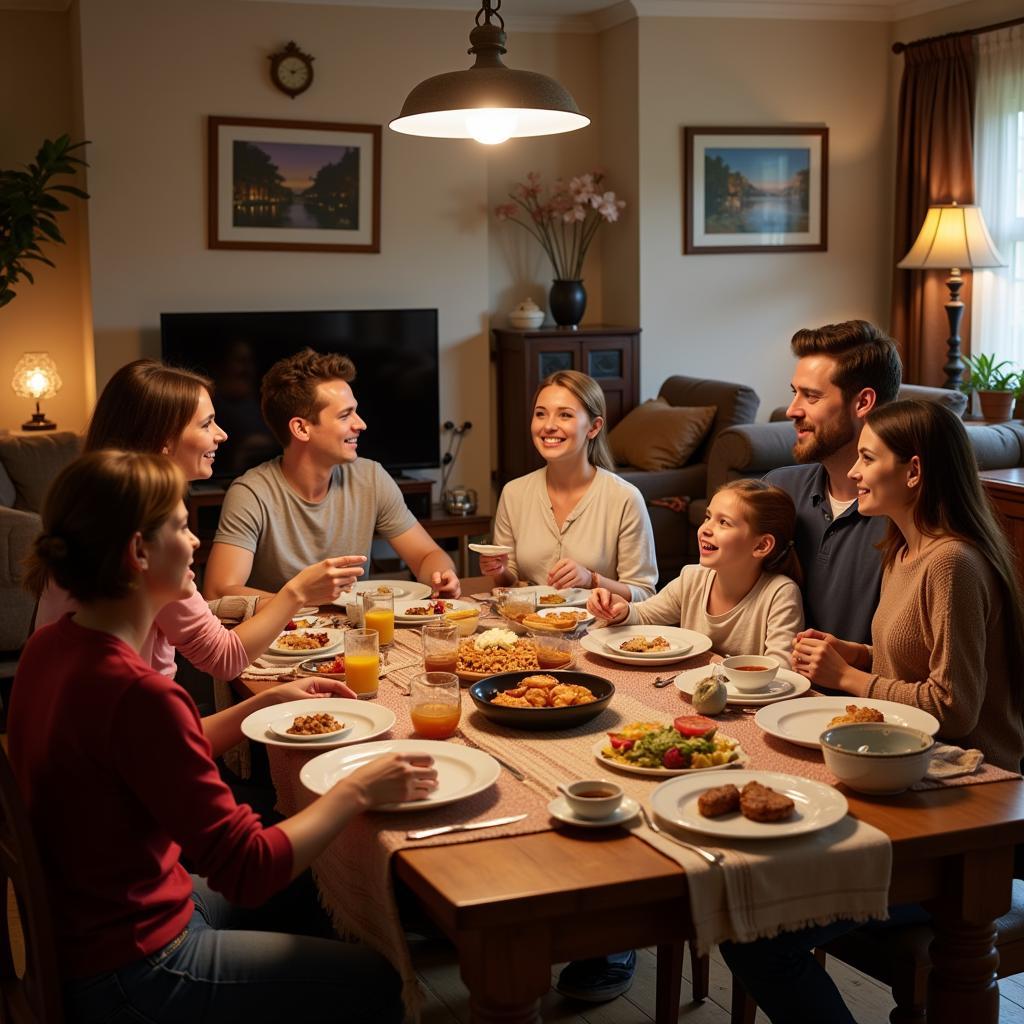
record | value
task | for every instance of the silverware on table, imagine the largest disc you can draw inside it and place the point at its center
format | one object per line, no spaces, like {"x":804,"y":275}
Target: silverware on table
{"x":426,"y":833}
{"x":664,"y":681}
{"x":511,"y":769}
{"x":711,"y":858}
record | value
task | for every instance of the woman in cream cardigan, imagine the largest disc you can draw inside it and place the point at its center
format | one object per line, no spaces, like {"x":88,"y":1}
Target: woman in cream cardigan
{"x":573,"y":523}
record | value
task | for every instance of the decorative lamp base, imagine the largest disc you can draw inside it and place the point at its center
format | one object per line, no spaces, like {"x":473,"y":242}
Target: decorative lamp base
{"x":39,"y":422}
{"x":568,"y":301}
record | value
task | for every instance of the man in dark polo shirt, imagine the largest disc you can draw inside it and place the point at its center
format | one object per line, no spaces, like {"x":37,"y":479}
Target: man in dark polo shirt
{"x":843,"y":371}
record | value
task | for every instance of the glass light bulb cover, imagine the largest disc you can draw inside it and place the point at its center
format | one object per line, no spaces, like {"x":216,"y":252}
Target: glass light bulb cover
{"x":36,"y":376}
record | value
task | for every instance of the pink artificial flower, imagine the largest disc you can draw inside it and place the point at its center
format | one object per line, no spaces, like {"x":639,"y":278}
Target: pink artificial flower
{"x":574,"y":213}
{"x":608,"y":206}
{"x":505,"y":210}
{"x":582,"y":188}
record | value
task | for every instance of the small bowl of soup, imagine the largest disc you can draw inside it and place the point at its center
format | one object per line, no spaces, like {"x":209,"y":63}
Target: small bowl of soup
{"x":750,"y":673}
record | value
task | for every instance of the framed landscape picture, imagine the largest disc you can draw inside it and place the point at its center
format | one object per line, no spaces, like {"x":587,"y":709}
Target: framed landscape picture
{"x":294,"y":185}
{"x":755,"y":190}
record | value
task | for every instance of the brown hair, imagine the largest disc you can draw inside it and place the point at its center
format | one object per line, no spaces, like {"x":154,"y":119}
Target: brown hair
{"x":93,"y":509}
{"x":950,"y":499}
{"x":865,"y":357}
{"x":289,"y":388}
{"x":589,"y":394}
{"x":145,"y":407}
{"x":771,"y":510}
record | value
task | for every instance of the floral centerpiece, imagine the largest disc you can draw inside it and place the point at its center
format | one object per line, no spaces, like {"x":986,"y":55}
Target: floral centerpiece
{"x":564,"y":221}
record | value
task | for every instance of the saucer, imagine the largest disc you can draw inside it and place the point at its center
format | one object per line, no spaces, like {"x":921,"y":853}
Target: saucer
{"x":627,"y":810}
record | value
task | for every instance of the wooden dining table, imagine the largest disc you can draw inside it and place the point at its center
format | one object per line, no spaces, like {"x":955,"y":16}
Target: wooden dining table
{"x":515,"y":905}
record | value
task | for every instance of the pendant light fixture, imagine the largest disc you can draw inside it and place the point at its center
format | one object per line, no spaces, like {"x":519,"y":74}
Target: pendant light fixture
{"x":488,"y":102}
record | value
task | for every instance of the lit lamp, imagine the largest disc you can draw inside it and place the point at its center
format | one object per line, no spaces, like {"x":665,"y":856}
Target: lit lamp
{"x":488,"y":102}
{"x":953,"y":237}
{"x":36,"y":376}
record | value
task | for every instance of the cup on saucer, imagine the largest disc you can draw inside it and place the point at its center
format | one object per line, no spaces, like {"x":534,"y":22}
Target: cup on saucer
{"x":750,"y":673}
{"x":592,"y":799}
{"x":559,"y":809}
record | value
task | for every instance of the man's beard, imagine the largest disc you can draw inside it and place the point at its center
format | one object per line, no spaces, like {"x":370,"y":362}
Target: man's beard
{"x":825,"y":440}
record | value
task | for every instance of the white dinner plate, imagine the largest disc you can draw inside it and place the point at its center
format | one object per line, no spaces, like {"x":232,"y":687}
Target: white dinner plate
{"x":614,"y":636}
{"x":492,"y":550}
{"x":784,"y":686}
{"x":335,"y":642}
{"x":696,"y":643}
{"x":575,"y":597}
{"x":626,"y":811}
{"x":364,"y":718}
{"x":451,"y":605}
{"x":664,"y":773}
{"x":281,"y":725}
{"x":817,"y":805}
{"x":580,"y":621}
{"x":802,"y":721}
{"x":461,"y":771}
{"x":400,"y":589}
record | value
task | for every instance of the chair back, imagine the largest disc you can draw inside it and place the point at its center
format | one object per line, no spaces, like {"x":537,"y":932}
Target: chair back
{"x":35,"y":997}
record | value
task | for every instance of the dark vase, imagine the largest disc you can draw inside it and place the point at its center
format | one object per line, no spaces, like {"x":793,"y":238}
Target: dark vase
{"x":568,"y":301}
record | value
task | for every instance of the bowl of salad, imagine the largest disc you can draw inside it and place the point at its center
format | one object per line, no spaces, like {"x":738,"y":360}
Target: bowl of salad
{"x":690,"y":743}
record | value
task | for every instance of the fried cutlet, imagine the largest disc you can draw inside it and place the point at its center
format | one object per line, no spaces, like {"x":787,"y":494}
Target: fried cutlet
{"x":854,"y":713}
{"x":715,"y":802}
{"x":761,"y":803}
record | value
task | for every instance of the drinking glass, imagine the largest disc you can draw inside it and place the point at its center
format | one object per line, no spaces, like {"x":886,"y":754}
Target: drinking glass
{"x":516,"y":603}
{"x":440,"y":647}
{"x":554,"y":652}
{"x":435,"y":704}
{"x":379,"y":614}
{"x":362,"y":662}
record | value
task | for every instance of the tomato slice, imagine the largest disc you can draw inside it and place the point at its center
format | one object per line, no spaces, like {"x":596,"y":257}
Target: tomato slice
{"x":620,"y":742}
{"x":694,"y":725}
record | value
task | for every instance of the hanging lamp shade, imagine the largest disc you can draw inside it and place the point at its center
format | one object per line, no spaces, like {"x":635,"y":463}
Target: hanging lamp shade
{"x":488,"y":102}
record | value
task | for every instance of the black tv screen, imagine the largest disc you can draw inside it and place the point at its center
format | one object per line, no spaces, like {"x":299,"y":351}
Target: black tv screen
{"x":395,"y":353}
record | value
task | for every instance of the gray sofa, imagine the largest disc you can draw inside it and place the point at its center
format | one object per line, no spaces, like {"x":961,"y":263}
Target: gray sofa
{"x":674,"y":532}
{"x":28,"y":464}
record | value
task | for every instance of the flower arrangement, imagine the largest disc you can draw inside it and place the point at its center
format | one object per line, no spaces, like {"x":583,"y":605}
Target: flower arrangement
{"x":566,"y":221}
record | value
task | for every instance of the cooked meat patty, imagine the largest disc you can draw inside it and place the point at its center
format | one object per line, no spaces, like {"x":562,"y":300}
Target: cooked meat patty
{"x":715,"y":802}
{"x":761,"y":803}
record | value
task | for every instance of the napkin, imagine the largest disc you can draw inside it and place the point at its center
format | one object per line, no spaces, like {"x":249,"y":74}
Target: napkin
{"x":949,"y":762}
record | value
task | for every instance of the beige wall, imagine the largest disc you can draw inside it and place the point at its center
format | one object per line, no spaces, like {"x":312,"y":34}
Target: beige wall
{"x":36,"y":68}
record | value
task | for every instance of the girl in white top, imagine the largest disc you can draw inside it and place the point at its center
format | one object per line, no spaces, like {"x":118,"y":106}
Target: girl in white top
{"x":745,"y":594}
{"x":574,"y":523}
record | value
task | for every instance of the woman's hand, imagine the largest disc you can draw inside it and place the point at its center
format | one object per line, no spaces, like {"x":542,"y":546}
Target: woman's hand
{"x":445,"y":584}
{"x":395,"y":779}
{"x":826,"y":660}
{"x":566,"y":573}
{"x":493,"y":565}
{"x":307,"y":686}
{"x":322,"y":582}
{"x":605,"y":605}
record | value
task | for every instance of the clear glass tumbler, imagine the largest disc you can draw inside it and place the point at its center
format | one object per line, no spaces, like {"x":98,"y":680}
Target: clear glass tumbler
{"x":440,"y":647}
{"x":362,"y":662}
{"x":435,"y":704}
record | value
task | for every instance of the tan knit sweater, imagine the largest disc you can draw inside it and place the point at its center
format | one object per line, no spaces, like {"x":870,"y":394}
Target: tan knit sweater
{"x":939,"y":642}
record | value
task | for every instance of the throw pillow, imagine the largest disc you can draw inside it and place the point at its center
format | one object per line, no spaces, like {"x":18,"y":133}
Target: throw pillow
{"x":657,"y":435}
{"x":33,"y":460}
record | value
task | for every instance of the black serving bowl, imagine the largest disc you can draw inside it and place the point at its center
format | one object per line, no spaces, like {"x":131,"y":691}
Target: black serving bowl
{"x":541,"y":718}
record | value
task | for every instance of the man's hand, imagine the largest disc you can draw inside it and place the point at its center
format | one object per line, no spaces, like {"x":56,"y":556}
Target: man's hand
{"x":493,"y":565}
{"x":566,"y":573}
{"x":445,"y":584}
{"x":322,"y":582}
{"x":605,"y":605}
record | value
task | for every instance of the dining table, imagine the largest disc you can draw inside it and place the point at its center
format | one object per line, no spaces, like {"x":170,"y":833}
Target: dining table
{"x":513,"y":905}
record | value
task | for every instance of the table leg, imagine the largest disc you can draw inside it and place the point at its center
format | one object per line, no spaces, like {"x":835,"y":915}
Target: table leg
{"x":506,"y":976}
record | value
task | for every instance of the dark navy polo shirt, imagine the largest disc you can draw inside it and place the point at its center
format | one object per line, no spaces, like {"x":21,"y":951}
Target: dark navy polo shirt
{"x":842,"y":565}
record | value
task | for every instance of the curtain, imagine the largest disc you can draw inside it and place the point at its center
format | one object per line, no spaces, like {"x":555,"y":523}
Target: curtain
{"x":998,"y":307}
{"x":934,"y":164}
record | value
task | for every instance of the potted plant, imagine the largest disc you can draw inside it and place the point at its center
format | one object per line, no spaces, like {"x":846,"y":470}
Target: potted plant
{"x":1018,"y":409}
{"x":29,"y":208}
{"x":996,"y":384}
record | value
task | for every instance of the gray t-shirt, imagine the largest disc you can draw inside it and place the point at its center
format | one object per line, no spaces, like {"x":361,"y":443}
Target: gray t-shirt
{"x":285,"y":533}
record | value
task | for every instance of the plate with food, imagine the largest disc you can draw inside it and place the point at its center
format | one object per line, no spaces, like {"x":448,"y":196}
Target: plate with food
{"x":784,"y":686}
{"x":748,"y":804}
{"x":542,"y":700}
{"x":556,"y":620}
{"x":413,"y":611}
{"x":461,"y":771}
{"x":302,"y":643}
{"x":551,"y":597}
{"x":802,"y":721}
{"x":691,"y":743}
{"x":491,"y":550}
{"x":364,"y":720}
{"x":498,"y":650}
{"x":681,"y":644}
{"x":305,"y":727}
{"x":329,"y":668}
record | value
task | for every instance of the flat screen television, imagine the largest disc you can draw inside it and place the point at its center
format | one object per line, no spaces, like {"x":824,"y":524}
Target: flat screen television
{"x":395,"y":352}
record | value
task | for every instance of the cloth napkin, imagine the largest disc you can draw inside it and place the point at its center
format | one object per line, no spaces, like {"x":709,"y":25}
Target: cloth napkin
{"x":949,"y":762}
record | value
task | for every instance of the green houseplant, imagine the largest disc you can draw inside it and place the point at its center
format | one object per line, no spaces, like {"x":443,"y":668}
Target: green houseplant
{"x":28,"y":210}
{"x":996,"y":383}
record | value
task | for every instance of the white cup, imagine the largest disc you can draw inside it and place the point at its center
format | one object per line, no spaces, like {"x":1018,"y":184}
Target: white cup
{"x":750,"y":672}
{"x":592,"y":799}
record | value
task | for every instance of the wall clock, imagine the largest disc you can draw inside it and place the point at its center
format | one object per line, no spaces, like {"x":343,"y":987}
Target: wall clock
{"x":291,"y":70}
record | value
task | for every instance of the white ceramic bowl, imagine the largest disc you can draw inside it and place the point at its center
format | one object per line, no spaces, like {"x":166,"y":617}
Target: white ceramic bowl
{"x":876,"y":757}
{"x":738,"y":671}
{"x":463,"y":621}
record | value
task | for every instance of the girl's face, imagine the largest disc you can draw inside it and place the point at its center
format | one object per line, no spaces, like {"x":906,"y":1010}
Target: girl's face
{"x":885,"y":486}
{"x":196,"y":449}
{"x":561,"y":427}
{"x":726,"y":539}
{"x":169,"y":575}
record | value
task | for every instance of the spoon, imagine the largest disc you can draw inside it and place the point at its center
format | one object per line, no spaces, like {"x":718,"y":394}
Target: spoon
{"x":663,"y":681}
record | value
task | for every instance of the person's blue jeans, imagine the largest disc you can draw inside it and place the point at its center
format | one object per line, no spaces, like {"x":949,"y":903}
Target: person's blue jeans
{"x":222,"y":968}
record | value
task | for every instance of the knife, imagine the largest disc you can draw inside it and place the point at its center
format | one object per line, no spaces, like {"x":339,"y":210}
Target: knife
{"x":426,"y":833}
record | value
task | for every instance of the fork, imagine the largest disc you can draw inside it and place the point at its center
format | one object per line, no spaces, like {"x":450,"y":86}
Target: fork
{"x":712,"y":858}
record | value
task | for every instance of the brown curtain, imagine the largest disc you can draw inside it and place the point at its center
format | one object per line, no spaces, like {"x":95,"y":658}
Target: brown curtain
{"x":934,"y":164}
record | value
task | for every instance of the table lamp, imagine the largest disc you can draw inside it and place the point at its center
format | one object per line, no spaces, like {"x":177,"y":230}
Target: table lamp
{"x":36,"y":376}
{"x":953,"y":237}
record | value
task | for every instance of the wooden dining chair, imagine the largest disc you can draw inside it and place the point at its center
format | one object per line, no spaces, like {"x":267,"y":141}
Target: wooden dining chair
{"x":34,"y":997}
{"x":900,"y":958}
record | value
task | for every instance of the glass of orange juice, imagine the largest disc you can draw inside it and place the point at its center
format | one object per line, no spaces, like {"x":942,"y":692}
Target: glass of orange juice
{"x":379,"y":614}
{"x":440,"y":647}
{"x":362,"y":662}
{"x":435,"y":704}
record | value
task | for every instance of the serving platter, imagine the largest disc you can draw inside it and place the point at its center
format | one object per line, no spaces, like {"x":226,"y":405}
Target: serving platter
{"x":664,"y":773}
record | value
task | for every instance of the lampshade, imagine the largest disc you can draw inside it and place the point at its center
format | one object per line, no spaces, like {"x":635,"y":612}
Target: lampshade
{"x":952,"y":236}
{"x":488,"y":102}
{"x":36,"y":376}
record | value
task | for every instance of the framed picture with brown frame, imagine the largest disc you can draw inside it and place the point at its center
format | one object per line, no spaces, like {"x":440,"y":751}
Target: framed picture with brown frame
{"x":294,"y":186}
{"x":755,"y":190}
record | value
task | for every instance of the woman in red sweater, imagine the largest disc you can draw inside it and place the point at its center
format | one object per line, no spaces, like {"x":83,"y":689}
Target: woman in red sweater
{"x":120,"y":783}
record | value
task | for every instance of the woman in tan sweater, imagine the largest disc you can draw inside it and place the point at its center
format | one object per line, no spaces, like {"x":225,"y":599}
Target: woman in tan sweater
{"x":947,"y":635}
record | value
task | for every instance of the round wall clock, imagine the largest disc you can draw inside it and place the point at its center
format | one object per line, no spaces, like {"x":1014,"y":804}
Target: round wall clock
{"x":291,"y":70}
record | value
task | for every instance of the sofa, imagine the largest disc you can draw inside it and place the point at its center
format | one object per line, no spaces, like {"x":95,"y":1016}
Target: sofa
{"x":675,"y":532}
{"x":28,"y":464}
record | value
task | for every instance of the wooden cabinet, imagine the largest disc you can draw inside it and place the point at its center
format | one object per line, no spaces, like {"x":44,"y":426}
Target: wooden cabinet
{"x":611,"y":355}
{"x":1006,"y":489}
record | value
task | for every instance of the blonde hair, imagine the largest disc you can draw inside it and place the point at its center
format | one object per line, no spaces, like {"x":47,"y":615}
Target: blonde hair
{"x":770,"y":510}
{"x":588,"y":393}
